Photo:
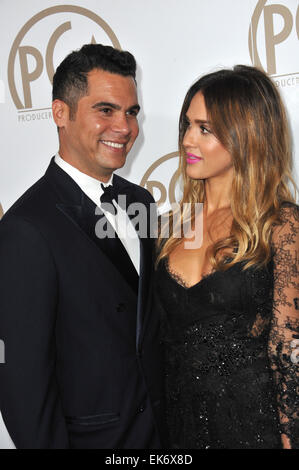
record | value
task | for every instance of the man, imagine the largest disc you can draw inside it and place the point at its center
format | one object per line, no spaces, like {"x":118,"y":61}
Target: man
{"x":82,"y":358}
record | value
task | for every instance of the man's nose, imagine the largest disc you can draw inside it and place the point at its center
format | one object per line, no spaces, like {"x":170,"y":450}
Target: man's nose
{"x":121,"y":124}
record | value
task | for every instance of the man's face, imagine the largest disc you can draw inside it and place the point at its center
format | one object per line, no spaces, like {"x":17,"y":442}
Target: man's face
{"x":105,"y":125}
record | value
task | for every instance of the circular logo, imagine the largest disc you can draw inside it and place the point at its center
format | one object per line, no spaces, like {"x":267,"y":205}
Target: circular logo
{"x":45,"y":37}
{"x":273,"y":34}
{"x":162,"y":169}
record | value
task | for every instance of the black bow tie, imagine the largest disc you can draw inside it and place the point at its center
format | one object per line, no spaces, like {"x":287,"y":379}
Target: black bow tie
{"x":109,"y":195}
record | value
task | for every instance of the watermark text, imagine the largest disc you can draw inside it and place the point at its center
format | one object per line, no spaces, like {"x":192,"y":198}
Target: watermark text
{"x":182,"y":221}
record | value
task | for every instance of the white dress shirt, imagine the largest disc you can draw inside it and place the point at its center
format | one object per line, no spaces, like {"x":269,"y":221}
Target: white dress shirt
{"x":5,"y":439}
{"x":120,"y":222}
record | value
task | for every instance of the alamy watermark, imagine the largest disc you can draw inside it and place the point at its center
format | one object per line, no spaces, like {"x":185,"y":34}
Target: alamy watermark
{"x":182,"y":221}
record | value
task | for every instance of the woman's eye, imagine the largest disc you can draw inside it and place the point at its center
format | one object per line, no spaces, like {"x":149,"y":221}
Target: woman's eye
{"x":204,"y":130}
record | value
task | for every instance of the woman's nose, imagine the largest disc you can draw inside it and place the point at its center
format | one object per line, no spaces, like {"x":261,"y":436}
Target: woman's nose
{"x":190,"y":138}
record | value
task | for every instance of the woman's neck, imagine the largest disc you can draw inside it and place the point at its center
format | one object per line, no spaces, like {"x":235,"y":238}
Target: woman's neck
{"x":217,"y":193}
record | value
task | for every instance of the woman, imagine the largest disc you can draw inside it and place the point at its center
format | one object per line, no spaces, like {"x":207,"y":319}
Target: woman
{"x":230,"y":307}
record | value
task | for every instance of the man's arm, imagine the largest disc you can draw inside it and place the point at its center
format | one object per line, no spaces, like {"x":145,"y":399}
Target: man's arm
{"x":29,"y":396}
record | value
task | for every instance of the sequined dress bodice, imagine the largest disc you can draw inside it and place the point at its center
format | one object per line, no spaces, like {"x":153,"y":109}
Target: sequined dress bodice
{"x":228,"y":372}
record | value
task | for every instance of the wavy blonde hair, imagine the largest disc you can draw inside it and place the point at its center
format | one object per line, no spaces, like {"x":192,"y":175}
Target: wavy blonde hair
{"x":248,"y":118}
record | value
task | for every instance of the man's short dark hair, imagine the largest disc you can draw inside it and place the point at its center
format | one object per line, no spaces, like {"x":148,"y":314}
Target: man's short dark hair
{"x":70,"y":81}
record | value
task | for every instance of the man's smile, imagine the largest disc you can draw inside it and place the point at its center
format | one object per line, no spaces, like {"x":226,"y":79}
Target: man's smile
{"x":112,"y":144}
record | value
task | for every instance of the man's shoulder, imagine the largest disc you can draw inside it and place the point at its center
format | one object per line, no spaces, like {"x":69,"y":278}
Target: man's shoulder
{"x":141,"y":193}
{"x":32,"y":202}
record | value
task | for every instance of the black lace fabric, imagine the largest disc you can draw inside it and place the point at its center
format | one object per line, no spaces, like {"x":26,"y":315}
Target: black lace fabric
{"x":284,"y":332}
{"x":231,"y":347}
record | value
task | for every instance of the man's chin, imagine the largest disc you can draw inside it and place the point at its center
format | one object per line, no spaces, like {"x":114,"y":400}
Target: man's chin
{"x":116,"y":164}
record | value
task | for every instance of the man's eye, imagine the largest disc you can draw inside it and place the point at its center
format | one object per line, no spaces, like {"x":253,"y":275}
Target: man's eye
{"x":133,"y":112}
{"x":106,"y":110}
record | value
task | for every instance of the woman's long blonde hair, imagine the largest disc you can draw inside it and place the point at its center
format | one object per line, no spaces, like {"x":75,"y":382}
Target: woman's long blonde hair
{"x":249,"y":119}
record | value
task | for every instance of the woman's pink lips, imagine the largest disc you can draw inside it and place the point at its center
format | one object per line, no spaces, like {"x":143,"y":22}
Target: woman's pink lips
{"x":193,"y":158}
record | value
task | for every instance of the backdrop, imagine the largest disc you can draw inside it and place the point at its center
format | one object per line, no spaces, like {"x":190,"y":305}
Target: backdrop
{"x":174,"y":43}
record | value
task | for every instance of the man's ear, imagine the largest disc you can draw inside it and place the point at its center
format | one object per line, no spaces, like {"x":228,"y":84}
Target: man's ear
{"x":60,"y":111}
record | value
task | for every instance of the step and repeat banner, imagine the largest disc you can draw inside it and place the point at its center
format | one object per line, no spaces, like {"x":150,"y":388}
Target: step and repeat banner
{"x":174,"y":43}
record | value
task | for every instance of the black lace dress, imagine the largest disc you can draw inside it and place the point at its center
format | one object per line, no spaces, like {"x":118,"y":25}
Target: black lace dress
{"x":231,"y":345}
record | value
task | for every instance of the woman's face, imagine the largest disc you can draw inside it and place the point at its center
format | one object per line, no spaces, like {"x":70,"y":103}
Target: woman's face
{"x":206,"y":156}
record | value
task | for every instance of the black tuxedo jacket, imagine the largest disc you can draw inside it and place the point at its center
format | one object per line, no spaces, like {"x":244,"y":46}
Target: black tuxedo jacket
{"x":82,"y":358}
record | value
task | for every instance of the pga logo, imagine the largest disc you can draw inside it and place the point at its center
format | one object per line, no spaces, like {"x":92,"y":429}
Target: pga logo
{"x":273,"y":35}
{"x":162,"y":180}
{"x":45,"y":40}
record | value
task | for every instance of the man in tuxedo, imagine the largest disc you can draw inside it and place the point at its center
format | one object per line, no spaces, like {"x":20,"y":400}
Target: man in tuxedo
{"x":82,"y":355}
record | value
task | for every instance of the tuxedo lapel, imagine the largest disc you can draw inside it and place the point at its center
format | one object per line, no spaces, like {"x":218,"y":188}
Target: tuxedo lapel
{"x":144,"y":285}
{"x":110,"y":245}
{"x":73,"y":213}
{"x":124,"y":188}
{"x":146,"y":259}
{"x":81,"y":211}
{"x":69,"y":194}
